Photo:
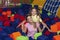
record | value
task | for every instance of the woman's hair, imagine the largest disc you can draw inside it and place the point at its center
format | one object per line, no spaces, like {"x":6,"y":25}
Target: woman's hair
{"x":37,"y":10}
{"x":27,"y":16}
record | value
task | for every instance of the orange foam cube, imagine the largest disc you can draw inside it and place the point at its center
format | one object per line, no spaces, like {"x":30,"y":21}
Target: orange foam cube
{"x":57,"y":37}
{"x":54,"y":28}
{"x":15,"y":35}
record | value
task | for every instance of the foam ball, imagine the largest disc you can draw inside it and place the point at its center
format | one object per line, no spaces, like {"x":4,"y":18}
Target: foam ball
{"x":22,"y":38}
{"x":58,"y":32}
{"x":37,"y":35}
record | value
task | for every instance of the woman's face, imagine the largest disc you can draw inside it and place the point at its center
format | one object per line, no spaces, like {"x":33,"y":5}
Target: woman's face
{"x":33,"y":12}
{"x":29,"y":19}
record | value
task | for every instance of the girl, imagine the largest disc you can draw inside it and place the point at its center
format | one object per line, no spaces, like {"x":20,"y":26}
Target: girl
{"x":31,"y":26}
{"x":34,"y":13}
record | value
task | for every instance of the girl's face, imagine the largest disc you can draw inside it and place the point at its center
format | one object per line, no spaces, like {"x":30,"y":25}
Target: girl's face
{"x":29,"y":19}
{"x":33,"y":12}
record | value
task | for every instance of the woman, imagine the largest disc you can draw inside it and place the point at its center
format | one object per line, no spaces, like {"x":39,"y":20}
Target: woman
{"x":34,"y":13}
{"x":31,"y":26}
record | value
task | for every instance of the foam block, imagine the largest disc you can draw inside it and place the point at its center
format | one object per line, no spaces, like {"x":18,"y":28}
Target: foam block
{"x":15,"y":35}
{"x":22,"y":38}
{"x":57,"y":37}
{"x":37,"y":35}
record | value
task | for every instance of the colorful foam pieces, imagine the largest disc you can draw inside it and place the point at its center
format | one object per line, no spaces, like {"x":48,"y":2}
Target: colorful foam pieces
{"x":5,"y":18}
{"x":22,"y":38}
{"x":1,"y":10}
{"x":16,"y":16}
{"x":54,"y":28}
{"x":47,"y":33}
{"x":57,"y":37}
{"x":22,"y":17}
{"x":15,"y":35}
{"x":58,"y":12}
{"x":12,"y":17}
{"x":58,"y":25}
{"x":37,"y":35}
{"x":1,"y":18}
{"x":8,"y":13}
{"x":39,"y":3}
{"x":4,"y":13}
{"x":6,"y":23}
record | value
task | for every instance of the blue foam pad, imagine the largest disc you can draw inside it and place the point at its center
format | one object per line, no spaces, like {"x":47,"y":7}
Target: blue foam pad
{"x":7,"y":38}
{"x":42,"y":38}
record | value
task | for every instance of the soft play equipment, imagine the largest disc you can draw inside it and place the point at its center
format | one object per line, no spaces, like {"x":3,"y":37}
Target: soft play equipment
{"x":40,"y":3}
{"x":22,"y":38}
{"x":42,"y":38}
{"x":8,"y":12}
{"x":4,"y":13}
{"x":57,"y":37}
{"x":14,"y":35}
{"x":12,"y":18}
{"x":58,"y":12}
{"x":37,"y":35}
{"x":55,"y":27}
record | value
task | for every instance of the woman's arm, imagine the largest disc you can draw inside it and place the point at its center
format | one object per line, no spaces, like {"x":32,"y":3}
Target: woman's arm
{"x":45,"y":26}
{"x":21,"y":23}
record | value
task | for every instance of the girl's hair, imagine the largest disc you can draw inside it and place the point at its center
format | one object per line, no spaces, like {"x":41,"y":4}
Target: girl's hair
{"x":37,"y":10}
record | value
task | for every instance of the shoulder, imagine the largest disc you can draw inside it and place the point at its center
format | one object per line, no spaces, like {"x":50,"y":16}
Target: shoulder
{"x":27,"y":24}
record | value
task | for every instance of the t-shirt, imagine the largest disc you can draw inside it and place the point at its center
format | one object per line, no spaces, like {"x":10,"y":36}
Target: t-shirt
{"x":31,"y":29}
{"x":36,"y":18}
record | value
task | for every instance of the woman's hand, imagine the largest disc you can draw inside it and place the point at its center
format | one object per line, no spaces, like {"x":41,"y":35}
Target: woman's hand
{"x":21,"y":23}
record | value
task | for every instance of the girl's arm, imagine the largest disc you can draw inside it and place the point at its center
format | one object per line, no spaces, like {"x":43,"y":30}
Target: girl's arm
{"x":21,"y":23}
{"x":38,"y":27}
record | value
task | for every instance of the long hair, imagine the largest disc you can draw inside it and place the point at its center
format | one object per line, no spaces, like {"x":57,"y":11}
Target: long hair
{"x":37,"y":10}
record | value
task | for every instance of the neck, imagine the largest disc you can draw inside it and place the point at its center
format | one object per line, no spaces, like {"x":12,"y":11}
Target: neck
{"x":31,"y":22}
{"x":34,"y":15}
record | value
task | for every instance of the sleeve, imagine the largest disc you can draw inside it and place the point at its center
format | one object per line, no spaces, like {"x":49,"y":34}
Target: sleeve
{"x":39,"y":19}
{"x":38,"y":25}
{"x":26,"y":25}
